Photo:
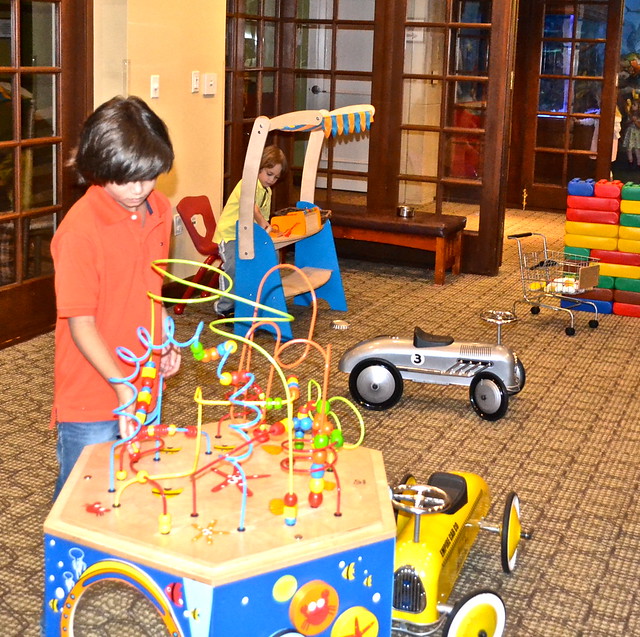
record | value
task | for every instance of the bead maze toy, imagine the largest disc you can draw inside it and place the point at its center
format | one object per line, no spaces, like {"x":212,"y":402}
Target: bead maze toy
{"x":259,"y":505}
{"x":315,"y":251}
{"x":264,"y":508}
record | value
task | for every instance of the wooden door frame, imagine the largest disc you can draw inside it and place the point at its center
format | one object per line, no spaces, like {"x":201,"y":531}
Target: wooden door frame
{"x":32,"y":303}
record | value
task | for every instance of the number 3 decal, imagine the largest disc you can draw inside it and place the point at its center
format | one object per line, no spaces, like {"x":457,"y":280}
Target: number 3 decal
{"x":417,"y":359}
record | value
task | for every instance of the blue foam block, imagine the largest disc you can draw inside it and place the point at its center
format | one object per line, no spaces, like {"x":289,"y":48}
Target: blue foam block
{"x":604,"y":307}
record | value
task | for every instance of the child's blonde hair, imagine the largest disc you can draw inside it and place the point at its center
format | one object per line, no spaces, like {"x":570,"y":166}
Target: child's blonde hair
{"x":272,"y":156}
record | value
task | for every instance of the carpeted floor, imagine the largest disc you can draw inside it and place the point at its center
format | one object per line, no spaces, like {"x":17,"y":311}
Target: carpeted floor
{"x":568,"y":445}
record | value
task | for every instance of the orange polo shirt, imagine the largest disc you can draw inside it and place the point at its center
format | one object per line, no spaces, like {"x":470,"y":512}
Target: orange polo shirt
{"x":102,"y":258}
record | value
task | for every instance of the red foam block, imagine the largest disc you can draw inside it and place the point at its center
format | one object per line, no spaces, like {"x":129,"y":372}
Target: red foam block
{"x":626,"y":309}
{"x":594,"y":216}
{"x":617,"y":258}
{"x":606,"y":188}
{"x":593,"y":203}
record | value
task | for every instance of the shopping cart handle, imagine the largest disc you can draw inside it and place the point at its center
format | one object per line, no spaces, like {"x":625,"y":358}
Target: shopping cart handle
{"x":519,"y":236}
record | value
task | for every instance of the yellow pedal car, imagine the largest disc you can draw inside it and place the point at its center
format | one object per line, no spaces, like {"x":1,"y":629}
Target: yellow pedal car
{"x":437,"y":524}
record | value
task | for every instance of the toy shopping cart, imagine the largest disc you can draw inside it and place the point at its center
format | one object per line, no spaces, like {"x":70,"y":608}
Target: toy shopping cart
{"x":550,"y":276}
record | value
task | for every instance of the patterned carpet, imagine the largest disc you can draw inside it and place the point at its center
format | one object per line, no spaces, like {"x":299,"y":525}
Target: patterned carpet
{"x":568,"y":445}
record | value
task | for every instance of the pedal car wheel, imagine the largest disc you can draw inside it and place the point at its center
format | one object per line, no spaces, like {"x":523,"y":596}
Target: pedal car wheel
{"x":510,"y":533}
{"x":479,"y":614}
{"x":375,"y":384}
{"x":488,"y":396}
{"x":521,"y":376}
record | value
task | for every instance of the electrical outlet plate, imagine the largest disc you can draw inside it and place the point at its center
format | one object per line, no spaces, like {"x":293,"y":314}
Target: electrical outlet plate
{"x":178,"y":227}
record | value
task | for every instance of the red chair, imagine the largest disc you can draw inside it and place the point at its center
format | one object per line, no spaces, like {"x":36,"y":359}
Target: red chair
{"x":188,"y":208}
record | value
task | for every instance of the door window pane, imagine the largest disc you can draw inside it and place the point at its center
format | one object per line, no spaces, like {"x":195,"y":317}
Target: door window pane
{"x":582,"y":131}
{"x":463,"y":155}
{"x":469,"y":51}
{"x":419,"y":153}
{"x":268,"y":95}
{"x":592,"y":21}
{"x":7,"y":252}
{"x":269,"y":48}
{"x":354,"y":50}
{"x":550,"y":131}
{"x":250,"y":95}
{"x":476,"y":11}
{"x":589,"y":59}
{"x":426,"y":10}
{"x":549,"y":169}
{"x":554,"y":95}
{"x":250,"y":44}
{"x":36,"y":235}
{"x":556,"y":58}
{"x":356,"y":9}
{"x":315,"y":9}
{"x":417,"y":193}
{"x":37,"y":33}
{"x":270,"y":8}
{"x":469,"y":105}
{"x":312,"y":92}
{"x":6,"y":108}
{"x":421,"y":102}
{"x":38,"y":176}
{"x":38,"y":112}
{"x":457,"y":197}
{"x":586,"y":96}
{"x":557,"y":25}
{"x":252,"y":7}
{"x":424,"y":51}
{"x":5,"y":33}
{"x":7,"y":196}
{"x":313,"y":47}
{"x":352,"y":91}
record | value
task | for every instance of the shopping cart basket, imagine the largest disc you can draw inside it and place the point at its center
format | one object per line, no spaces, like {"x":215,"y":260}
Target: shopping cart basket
{"x":550,"y":276}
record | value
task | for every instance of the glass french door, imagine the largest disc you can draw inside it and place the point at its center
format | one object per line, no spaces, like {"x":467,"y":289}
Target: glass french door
{"x":566,"y":95}
{"x":32,"y":144}
{"x":438,"y":73}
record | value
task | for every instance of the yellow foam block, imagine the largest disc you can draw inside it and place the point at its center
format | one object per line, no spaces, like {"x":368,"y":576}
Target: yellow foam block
{"x":630,"y":207}
{"x":629,"y":232}
{"x":591,"y":229}
{"x":629,"y":245}
{"x":618,"y":270}
{"x":595,"y":243}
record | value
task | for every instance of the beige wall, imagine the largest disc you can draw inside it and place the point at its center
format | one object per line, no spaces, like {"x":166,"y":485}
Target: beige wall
{"x":170,"y":39}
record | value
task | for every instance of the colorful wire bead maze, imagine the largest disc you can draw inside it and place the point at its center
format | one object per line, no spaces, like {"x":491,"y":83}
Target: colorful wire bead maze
{"x":260,"y":506}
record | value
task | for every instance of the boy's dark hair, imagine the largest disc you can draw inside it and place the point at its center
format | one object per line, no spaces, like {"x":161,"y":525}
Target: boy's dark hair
{"x":272,"y":156}
{"x":123,"y":140}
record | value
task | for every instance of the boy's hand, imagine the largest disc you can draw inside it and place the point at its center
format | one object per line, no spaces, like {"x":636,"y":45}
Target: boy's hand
{"x":171,"y":357}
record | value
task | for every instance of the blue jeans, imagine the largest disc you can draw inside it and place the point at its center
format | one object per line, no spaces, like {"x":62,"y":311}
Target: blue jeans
{"x":227,"y":250}
{"x":73,"y":437}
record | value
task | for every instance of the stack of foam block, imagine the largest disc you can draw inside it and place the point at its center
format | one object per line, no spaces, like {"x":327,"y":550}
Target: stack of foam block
{"x":625,"y":267}
{"x":603,"y":222}
{"x":591,"y":230}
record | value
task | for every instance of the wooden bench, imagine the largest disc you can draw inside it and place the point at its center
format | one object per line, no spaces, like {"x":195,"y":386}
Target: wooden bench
{"x":441,"y":234}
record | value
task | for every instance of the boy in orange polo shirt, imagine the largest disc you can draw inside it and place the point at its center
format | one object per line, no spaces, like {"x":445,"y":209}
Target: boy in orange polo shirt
{"x":102,"y":253}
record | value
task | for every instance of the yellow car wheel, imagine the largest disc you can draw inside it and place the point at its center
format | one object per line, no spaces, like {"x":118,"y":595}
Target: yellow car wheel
{"x":479,"y":614}
{"x":510,"y":533}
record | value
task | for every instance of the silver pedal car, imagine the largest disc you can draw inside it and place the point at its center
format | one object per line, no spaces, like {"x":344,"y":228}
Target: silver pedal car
{"x":378,"y":366}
